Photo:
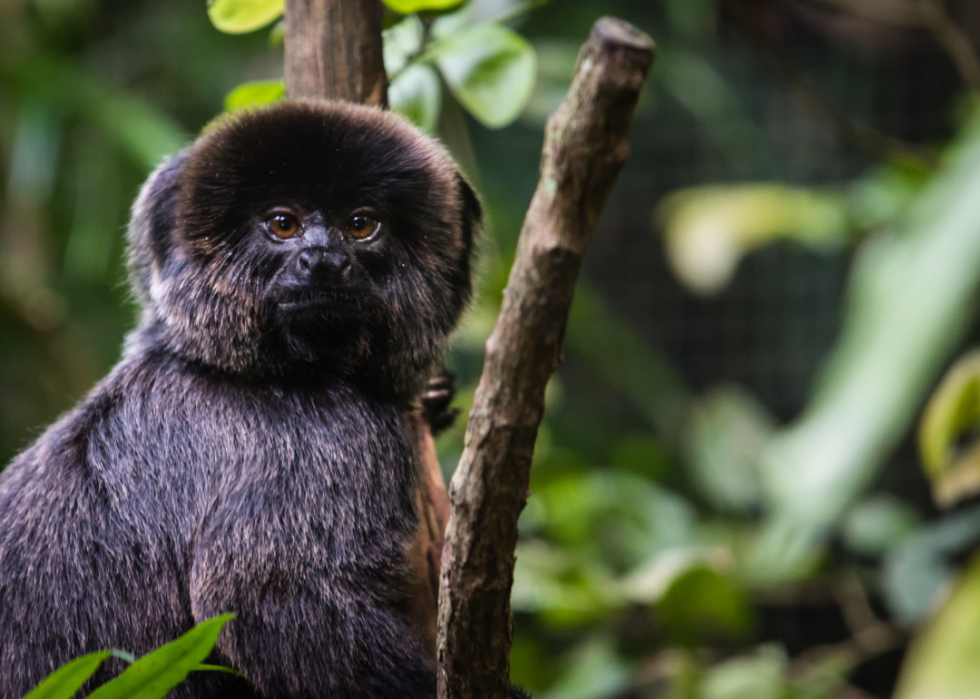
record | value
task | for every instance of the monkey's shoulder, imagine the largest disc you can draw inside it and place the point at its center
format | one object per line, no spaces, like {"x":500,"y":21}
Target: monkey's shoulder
{"x":160,"y":430}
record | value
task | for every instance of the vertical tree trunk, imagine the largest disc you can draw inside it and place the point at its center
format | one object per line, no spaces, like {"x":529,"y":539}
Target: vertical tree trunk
{"x":334,"y":51}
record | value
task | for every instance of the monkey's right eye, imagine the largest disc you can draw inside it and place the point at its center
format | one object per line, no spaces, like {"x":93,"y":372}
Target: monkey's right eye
{"x":283,"y":226}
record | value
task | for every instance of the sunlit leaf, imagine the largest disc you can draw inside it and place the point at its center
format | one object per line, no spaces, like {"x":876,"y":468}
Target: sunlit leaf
{"x":407,"y":7}
{"x":952,"y":413}
{"x":242,"y":16}
{"x":759,"y":676}
{"x":709,"y":229}
{"x":942,"y":663}
{"x":490,"y":69}
{"x":255,"y":94}
{"x":416,"y":94}
{"x":65,"y":682}
{"x":155,"y":674}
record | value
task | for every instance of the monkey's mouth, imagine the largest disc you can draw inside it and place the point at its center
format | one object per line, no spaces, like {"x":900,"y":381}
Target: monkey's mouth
{"x":318,"y":302}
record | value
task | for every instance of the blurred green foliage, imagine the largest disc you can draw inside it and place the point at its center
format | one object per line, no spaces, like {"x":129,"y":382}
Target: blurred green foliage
{"x":659,"y":550}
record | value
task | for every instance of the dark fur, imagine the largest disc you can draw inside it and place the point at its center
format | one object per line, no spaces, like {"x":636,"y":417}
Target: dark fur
{"x":240,"y":458}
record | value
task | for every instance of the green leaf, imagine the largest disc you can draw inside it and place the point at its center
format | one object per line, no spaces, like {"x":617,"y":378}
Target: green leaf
{"x":416,"y":94}
{"x":703,"y":603}
{"x":255,"y":94}
{"x":277,"y":35}
{"x":64,"y":682}
{"x":760,"y":676}
{"x":407,"y":7}
{"x":155,"y":674}
{"x":490,"y":69}
{"x":243,"y":16}
{"x":942,"y":663}
{"x":915,"y":573}
{"x":728,"y":432}
{"x":879,"y":524}
{"x":953,"y":412}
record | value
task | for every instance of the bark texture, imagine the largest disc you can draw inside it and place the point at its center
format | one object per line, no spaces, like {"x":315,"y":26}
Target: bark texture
{"x":333,"y":51}
{"x":586,"y":144}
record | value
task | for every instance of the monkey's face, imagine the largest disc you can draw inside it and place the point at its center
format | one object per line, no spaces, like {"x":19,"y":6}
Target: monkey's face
{"x":315,"y":236}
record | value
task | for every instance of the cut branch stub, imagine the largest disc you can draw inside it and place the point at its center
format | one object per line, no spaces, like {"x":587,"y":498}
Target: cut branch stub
{"x":586,"y":144}
{"x":333,"y":51}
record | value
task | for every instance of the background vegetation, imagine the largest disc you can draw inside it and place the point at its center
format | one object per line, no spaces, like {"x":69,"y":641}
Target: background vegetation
{"x":735,"y":494}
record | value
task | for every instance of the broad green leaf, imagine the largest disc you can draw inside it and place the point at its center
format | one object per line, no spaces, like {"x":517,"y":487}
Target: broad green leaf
{"x":407,"y":7}
{"x":702,"y":603}
{"x":709,"y":229}
{"x":942,"y":663}
{"x":416,"y":94}
{"x":490,"y":69}
{"x":759,"y":676}
{"x":255,"y":94}
{"x":64,"y":682}
{"x":952,"y":413}
{"x":243,"y":16}
{"x":155,"y":674}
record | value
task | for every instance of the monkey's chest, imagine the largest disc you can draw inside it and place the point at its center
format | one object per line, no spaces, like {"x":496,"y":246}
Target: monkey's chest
{"x":314,"y":481}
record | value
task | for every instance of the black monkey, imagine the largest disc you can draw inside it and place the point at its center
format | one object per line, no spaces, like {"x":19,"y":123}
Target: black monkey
{"x":300,"y":268}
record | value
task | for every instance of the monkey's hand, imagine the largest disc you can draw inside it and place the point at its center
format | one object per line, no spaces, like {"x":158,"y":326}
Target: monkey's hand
{"x":437,"y":401}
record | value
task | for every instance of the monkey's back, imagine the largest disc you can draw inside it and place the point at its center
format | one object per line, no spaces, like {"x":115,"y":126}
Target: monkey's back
{"x":172,"y":493}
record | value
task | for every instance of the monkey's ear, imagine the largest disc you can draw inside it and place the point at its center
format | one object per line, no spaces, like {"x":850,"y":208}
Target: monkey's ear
{"x":151,"y":224}
{"x":472,"y":211}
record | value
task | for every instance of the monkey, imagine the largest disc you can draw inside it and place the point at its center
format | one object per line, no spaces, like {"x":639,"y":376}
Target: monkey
{"x":299,"y":270}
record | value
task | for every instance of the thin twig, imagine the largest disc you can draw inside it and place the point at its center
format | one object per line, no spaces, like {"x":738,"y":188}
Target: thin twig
{"x":930,"y":15}
{"x":866,"y":139}
{"x":954,"y":41}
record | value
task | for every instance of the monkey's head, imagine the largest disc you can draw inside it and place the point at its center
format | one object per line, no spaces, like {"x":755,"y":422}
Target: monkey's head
{"x":306,"y":237}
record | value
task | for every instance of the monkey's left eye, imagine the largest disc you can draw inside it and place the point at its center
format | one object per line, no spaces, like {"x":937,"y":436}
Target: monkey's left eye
{"x":362,"y":225}
{"x":283,"y":226}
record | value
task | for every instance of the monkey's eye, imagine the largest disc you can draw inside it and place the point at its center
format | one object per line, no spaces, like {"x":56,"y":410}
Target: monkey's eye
{"x":362,"y":225}
{"x":283,"y":226}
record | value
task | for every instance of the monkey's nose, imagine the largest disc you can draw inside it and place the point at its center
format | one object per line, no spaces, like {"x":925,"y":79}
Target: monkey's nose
{"x":320,"y":264}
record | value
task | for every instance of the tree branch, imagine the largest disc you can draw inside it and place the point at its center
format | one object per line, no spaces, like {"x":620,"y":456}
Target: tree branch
{"x":585,"y":146}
